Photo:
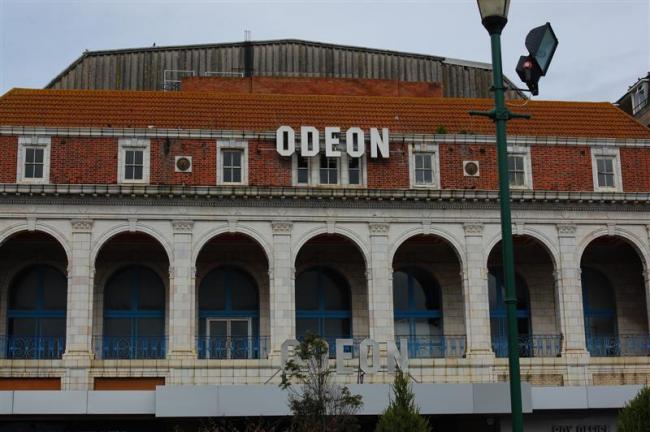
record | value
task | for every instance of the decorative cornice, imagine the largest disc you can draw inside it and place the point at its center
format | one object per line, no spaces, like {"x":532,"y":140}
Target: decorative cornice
{"x":566,"y":230}
{"x":182,"y":226}
{"x":281,"y":227}
{"x":82,"y":225}
{"x":378,"y":229}
{"x":473,"y":229}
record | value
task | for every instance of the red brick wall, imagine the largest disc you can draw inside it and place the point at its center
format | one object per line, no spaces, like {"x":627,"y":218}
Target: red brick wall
{"x":635,"y":167}
{"x":94,"y":161}
{"x":266,"y":167}
{"x":451,"y":166}
{"x":83,"y":160}
{"x":390,"y":173}
{"x":313,"y":86}
{"x":8,"y":152}
{"x":163,"y":160}
{"x":561,"y":168}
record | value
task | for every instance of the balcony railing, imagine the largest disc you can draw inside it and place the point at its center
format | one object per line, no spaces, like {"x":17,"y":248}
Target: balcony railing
{"x":255,"y":347}
{"x":33,"y":347}
{"x":331,"y":341}
{"x":530,"y":346}
{"x":618,"y":345}
{"x":131,"y":348}
{"x":434,"y":346}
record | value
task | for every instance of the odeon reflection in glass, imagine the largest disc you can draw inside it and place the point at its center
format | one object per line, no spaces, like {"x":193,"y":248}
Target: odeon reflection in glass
{"x":323,"y":305}
{"x":229,"y":316}
{"x":36,"y":314}
{"x":417,"y":306}
{"x":134,"y":315}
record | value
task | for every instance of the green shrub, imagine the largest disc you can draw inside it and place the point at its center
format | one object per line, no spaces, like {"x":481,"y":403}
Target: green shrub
{"x":635,"y":417}
{"x":402,"y":415}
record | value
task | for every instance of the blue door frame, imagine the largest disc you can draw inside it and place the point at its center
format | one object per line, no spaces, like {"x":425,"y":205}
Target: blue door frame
{"x":38,"y":345}
{"x":600,"y":344}
{"x":498,"y":319}
{"x":154,"y":346}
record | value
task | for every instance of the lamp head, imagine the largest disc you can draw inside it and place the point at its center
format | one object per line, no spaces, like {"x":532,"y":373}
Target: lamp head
{"x":494,"y":14}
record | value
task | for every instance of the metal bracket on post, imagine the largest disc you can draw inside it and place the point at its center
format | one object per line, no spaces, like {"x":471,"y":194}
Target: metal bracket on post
{"x":504,"y":114}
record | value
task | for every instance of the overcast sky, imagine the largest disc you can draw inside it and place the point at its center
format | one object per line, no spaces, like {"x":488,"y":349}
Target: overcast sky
{"x":604,"y":45}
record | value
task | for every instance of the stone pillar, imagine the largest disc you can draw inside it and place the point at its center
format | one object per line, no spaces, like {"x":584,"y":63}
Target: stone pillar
{"x":475,"y":293}
{"x":569,"y":305}
{"x":282,"y":293}
{"x":79,"y":342}
{"x":182,"y":305}
{"x":380,"y":288}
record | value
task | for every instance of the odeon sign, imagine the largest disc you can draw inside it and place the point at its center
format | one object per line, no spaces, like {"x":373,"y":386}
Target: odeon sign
{"x":355,"y":139}
{"x":396,"y":358}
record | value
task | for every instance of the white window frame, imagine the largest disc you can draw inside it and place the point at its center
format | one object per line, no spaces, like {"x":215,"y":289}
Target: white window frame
{"x":642,"y":87}
{"x":343,"y":175}
{"x":524,"y":151}
{"x":35,"y":142}
{"x":232,"y":145}
{"x":141,"y":144}
{"x":614,"y":154}
{"x":435,"y":164}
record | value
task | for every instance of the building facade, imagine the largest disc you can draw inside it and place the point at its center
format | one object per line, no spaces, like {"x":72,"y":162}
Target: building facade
{"x":635,"y":101}
{"x":167,"y":241}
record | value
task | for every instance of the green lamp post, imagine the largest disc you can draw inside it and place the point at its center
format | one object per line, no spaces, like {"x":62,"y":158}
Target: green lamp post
{"x":494,"y":14}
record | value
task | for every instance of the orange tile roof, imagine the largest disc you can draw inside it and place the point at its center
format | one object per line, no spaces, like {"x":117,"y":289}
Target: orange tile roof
{"x":265,"y":112}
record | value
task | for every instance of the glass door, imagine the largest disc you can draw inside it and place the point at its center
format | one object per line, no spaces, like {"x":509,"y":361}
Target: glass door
{"x":229,"y":338}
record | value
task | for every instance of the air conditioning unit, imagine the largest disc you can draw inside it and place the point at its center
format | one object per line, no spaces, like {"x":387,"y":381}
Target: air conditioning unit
{"x":183,"y":164}
{"x":471,"y":169}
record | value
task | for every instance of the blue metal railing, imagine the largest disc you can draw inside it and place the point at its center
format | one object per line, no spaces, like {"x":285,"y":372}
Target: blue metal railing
{"x":131,"y":348}
{"x":255,"y":347}
{"x":618,"y":345}
{"x":33,"y":347}
{"x":530,"y":346}
{"x":434,"y":346}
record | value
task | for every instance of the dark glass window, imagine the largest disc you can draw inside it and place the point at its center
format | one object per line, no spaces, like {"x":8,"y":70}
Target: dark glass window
{"x":329,"y":170}
{"x":417,"y":303}
{"x":36,"y":313}
{"x":34,"y":161}
{"x":423,"y":168}
{"x":516,"y":170}
{"x":232,"y":165}
{"x":498,"y":321}
{"x":133,"y":164}
{"x":134,"y":314}
{"x":599,"y":304}
{"x":606,"y":177}
{"x":323,"y":304}
{"x":354,"y":171}
{"x":303,"y":170}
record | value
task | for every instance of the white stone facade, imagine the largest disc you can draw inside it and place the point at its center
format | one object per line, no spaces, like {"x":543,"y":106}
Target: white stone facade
{"x":282,"y":230}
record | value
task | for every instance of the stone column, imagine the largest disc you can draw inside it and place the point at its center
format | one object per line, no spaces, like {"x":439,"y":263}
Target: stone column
{"x":282,"y":293}
{"x":570,"y":311}
{"x":79,"y":343}
{"x":182,"y":305}
{"x":475,"y":293}
{"x":380,"y":288}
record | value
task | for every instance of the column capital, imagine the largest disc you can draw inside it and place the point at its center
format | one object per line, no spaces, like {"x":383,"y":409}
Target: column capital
{"x":182,"y":226}
{"x":281,"y":227}
{"x":82,"y":225}
{"x":566,"y":230}
{"x":473,"y":229}
{"x":378,"y":229}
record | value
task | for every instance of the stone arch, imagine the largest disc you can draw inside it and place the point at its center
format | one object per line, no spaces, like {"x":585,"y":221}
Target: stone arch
{"x":126,"y":228}
{"x":57,"y":235}
{"x":254,"y":235}
{"x":346,"y":233}
{"x":634,"y":241}
{"x":534,"y":234}
{"x":455,"y":245}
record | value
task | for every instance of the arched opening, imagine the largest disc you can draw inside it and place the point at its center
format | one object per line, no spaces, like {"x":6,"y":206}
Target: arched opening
{"x":131,"y":285}
{"x":613,"y":298}
{"x":331,"y":290}
{"x":35,"y":296}
{"x":537,"y":322}
{"x":427,"y":298}
{"x":233,"y":298}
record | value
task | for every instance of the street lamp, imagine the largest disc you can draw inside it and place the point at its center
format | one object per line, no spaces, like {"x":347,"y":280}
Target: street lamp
{"x":494,"y":14}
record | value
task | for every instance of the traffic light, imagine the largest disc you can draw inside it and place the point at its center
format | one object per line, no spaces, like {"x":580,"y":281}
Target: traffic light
{"x":541,"y":43}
